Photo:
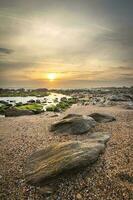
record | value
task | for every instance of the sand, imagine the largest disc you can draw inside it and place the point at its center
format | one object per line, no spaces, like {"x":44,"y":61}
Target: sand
{"x":110,"y":178}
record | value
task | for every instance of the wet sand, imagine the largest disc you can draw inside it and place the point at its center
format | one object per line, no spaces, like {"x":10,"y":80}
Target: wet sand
{"x":110,"y":178}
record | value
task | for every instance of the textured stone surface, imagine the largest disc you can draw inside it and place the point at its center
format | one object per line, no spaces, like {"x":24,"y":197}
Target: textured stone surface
{"x":101,"y":137}
{"x":100,"y":117}
{"x":58,"y":158}
{"x":74,"y":125}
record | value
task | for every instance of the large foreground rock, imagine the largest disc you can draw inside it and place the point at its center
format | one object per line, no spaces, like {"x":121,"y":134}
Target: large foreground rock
{"x":100,"y":117}
{"x":46,"y":165}
{"x":74,"y":124}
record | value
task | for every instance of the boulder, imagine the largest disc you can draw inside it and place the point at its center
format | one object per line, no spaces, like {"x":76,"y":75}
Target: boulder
{"x":46,"y":165}
{"x":74,"y":125}
{"x":13,"y":112}
{"x":100,"y":117}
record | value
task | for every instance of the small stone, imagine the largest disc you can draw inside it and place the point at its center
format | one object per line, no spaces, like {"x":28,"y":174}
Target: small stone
{"x":101,"y":117}
{"x":78,"y":196}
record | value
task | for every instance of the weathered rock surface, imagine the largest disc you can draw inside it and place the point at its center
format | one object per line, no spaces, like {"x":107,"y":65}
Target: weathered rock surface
{"x":101,"y":137}
{"x":74,"y":125}
{"x":100,"y":117}
{"x":13,"y":112}
{"x":45,"y":165}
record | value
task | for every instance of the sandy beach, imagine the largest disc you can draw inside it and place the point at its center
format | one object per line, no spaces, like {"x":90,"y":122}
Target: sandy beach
{"x":110,"y":178}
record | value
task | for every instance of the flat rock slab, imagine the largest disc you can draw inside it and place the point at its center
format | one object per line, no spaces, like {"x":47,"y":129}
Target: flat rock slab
{"x":12,"y":112}
{"x":100,"y":117}
{"x":74,"y":124}
{"x":59,"y":158}
{"x":45,"y":165}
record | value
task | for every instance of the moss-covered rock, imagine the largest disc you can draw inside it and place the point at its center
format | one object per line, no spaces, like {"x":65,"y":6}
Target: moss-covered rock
{"x":3,"y":108}
{"x":53,"y":108}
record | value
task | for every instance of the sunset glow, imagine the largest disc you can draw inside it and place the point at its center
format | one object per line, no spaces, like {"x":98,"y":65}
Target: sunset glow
{"x":71,"y":44}
{"x":52,"y":76}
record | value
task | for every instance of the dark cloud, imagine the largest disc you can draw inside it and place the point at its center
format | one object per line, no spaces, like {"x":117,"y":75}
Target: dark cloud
{"x":6,"y":51}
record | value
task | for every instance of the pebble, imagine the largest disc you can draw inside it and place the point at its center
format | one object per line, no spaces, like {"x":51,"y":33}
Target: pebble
{"x":78,"y":196}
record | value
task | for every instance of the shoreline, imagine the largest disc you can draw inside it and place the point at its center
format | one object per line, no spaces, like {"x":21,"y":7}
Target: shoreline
{"x":20,"y":136}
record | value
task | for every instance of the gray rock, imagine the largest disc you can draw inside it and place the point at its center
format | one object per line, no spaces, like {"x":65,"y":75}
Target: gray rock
{"x":100,"y":117}
{"x":101,"y":137}
{"x":45,"y":165}
{"x":13,"y":112}
{"x":74,"y":125}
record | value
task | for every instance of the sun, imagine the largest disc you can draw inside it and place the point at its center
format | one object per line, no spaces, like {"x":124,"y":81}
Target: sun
{"x":52,"y":76}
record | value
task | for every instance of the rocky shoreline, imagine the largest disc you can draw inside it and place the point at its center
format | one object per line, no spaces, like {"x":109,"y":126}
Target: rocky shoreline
{"x":109,"y":178}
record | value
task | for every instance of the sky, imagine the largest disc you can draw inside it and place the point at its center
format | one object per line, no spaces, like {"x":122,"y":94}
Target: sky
{"x":87,"y":43}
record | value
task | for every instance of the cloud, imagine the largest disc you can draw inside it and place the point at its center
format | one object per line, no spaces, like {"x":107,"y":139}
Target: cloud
{"x":6,"y":51}
{"x":80,"y":40}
